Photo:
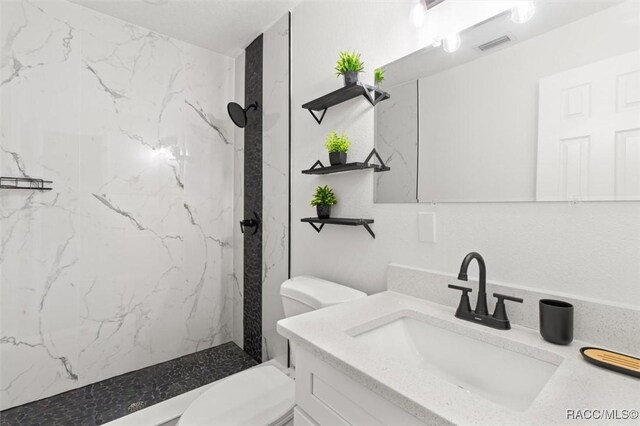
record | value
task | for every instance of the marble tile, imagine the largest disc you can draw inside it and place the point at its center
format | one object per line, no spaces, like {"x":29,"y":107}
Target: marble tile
{"x":238,"y":211}
{"x":396,"y":140}
{"x":275,"y":173}
{"x":128,"y":261}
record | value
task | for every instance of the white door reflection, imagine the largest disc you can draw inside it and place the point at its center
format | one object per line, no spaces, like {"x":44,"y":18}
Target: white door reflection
{"x":589,"y":132}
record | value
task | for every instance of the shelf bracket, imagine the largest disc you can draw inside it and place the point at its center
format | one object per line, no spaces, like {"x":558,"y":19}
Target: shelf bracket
{"x":375,"y":153}
{"x":319,"y":120}
{"x":317,"y":164}
{"x":367,"y":94}
{"x":318,"y":229}
{"x":368,"y":228}
{"x":380,"y":96}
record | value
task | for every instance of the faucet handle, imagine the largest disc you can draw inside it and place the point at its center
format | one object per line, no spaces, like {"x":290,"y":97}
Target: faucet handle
{"x":464,"y":290}
{"x":500,"y":313}
{"x":464,"y":305}
{"x":505,"y":297}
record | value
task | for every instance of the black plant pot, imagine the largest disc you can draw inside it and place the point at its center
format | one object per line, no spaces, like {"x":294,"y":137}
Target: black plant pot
{"x":324,"y":212}
{"x":336,"y":158}
{"x":350,"y":77}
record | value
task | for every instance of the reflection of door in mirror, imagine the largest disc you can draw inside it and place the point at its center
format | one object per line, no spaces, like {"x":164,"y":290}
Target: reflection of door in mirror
{"x":396,"y":140}
{"x":589,"y":132}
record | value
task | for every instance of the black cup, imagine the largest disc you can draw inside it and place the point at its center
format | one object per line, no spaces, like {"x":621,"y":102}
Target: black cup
{"x":556,"y":321}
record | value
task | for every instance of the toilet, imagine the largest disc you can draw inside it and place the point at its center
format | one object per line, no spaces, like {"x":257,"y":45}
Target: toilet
{"x":264,"y":395}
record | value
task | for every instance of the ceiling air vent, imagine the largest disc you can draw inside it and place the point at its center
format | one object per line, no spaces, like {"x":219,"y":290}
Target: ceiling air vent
{"x":432,"y":3}
{"x":494,"y":43}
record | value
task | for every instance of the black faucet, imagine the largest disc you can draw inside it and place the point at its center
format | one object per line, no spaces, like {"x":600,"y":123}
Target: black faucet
{"x":481,"y":315}
{"x":481,"y":303}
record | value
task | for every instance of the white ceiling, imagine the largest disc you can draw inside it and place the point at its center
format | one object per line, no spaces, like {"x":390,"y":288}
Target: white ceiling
{"x":224,"y":26}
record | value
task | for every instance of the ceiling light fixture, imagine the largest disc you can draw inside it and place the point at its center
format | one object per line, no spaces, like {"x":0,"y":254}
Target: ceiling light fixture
{"x":418,"y":13}
{"x":451,"y":43}
{"x":523,"y":12}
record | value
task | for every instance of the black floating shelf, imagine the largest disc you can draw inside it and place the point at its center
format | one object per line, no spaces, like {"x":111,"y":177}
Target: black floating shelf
{"x":24,"y":183}
{"x":370,"y":93}
{"x":320,"y":169}
{"x":314,"y":222}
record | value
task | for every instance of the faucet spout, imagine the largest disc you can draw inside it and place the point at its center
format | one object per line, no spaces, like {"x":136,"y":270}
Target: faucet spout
{"x":481,"y":303}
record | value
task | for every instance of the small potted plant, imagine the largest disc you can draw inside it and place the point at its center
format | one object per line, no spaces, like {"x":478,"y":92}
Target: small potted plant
{"x":323,"y":199}
{"x":337,"y":145}
{"x":349,"y":65}
{"x":378,"y":77}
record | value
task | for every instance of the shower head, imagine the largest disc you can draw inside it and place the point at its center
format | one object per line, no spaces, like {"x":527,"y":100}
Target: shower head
{"x":238,"y":114}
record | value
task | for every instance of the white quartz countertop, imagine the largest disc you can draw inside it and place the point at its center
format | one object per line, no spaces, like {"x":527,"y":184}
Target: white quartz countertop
{"x":576,"y":384}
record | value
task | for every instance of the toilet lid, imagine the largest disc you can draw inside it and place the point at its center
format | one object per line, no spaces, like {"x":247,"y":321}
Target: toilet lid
{"x":258,"y":396}
{"x":318,"y":293}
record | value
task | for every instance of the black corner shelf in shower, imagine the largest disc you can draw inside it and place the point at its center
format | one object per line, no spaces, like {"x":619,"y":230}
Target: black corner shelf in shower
{"x":320,"y":169}
{"x":25,"y":183}
{"x":314,"y":222}
{"x":343,"y":94}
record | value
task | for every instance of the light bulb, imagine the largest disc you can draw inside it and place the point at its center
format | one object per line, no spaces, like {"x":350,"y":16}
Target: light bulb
{"x":523,"y":12}
{"x":418,"y":12}
{"x":451,"y":43}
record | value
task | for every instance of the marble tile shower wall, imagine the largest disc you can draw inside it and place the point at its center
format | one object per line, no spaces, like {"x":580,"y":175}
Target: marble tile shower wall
{"x":127,"y":262}
{"x":275,"y":175}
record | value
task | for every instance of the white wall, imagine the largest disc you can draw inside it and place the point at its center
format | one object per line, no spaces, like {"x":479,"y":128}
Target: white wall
{"x":589,"y":249}
{"x":127,"y":262}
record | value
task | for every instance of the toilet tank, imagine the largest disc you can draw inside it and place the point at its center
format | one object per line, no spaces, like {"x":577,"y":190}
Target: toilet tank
{"x":305,"y":294}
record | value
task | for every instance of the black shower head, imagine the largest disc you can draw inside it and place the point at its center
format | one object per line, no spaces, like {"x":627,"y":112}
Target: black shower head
{"x":238,"y":114}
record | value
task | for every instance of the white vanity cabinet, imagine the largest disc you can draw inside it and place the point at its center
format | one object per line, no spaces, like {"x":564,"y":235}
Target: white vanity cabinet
{"x":327,"y":397}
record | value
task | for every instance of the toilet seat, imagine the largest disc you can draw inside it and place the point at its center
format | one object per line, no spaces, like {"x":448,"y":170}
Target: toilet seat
{"x":259,"y":396}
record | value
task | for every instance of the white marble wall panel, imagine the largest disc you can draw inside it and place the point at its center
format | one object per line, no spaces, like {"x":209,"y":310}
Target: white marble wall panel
{"x":128,"y":261}
{"x":275,"y":172}
{"x":238,"y":212}
{"x":396,"y":140}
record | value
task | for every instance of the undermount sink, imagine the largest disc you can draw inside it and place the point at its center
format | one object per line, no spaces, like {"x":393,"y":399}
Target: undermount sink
{"x":509,"y":378}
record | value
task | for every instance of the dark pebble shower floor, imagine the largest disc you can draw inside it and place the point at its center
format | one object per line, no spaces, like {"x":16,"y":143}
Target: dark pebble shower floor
{"x":110,"y":399}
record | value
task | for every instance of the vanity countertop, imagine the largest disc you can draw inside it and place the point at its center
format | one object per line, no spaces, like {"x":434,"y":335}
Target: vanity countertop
{"x":576,"y":384}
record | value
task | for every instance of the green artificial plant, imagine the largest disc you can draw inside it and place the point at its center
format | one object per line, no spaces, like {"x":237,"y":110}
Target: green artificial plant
{"x":349,"y":62}
{"x":337,"y":143}
{"x":378,"y":76}
{"x":324,"y":196}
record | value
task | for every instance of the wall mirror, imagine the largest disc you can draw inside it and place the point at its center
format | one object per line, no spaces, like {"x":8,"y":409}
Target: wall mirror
{"x":546,"y":110}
